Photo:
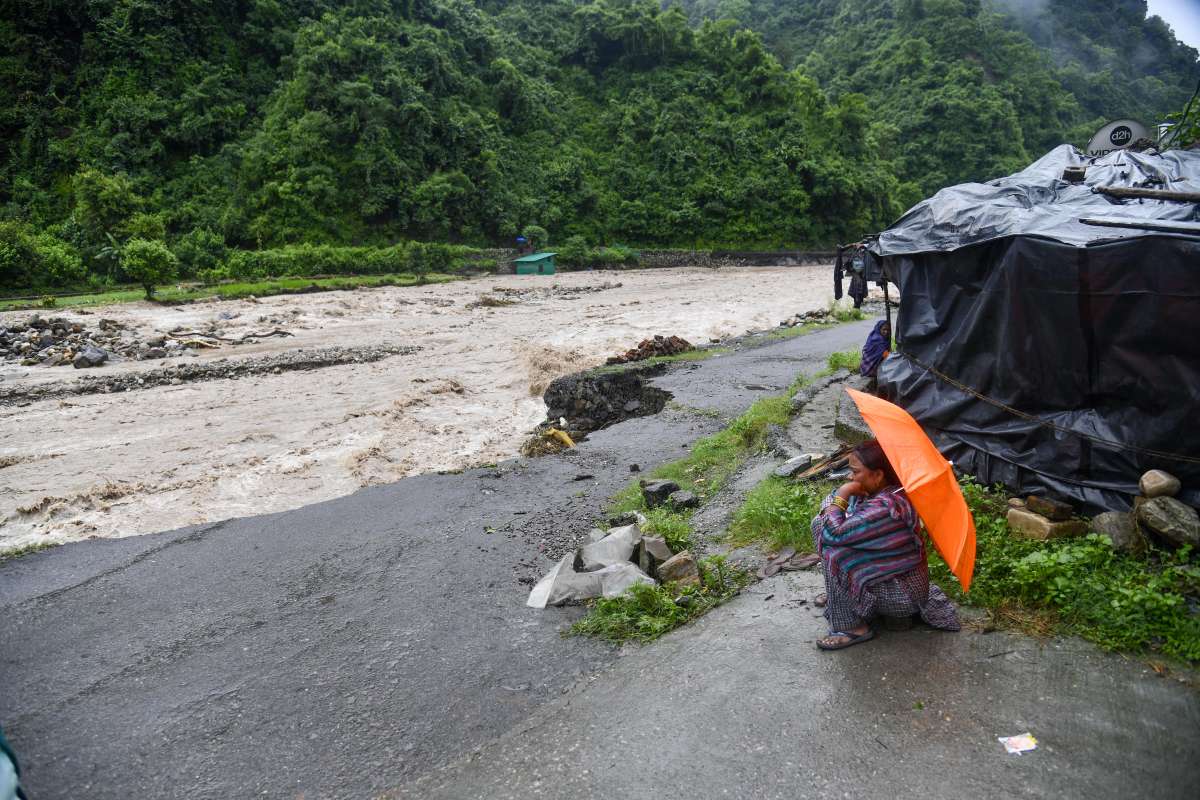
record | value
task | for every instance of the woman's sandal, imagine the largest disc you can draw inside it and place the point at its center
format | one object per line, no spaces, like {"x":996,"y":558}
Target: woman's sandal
{"x":851,"y":639}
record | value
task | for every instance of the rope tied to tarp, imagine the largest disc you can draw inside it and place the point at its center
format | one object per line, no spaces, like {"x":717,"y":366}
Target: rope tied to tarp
{"x":1016,"y":412}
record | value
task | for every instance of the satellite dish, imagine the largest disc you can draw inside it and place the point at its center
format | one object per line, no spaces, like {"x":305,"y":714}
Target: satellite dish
{"x":1116,"y":135}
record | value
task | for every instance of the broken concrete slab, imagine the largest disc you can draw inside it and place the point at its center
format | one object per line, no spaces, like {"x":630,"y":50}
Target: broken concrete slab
{"x":615,"y":548}
{"x":651,"y":552}
{"x":1048,"y":507}
{"x":793,"y":466}
{"x":680,"y":568}
{"x":564,"y":585}
{"x":655,"y":493}
{"x":849,"y":426}
{"x":1034,"y":526}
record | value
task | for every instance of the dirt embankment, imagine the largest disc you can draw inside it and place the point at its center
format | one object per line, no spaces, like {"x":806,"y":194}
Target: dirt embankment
{"x":370,"y":386}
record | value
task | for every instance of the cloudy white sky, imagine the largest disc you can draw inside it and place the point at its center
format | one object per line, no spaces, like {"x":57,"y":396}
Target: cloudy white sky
{"x":1182,"y":15}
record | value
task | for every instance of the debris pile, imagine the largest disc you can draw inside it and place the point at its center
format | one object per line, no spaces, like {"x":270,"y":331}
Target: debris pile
{"x":57,"y":341}
{"x":610,"y":564}
{"x":818,"y":316}
{"x":650,"y":348}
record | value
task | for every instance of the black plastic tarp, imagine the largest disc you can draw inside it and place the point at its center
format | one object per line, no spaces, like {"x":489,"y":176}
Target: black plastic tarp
{"x":1064,"y":364}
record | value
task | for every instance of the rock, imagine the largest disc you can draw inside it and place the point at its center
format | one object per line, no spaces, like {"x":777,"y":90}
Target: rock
{"x":156,"y":341}
{"x":1034,"y":526}
{"x":1049,"y":508}
{"x":635,"y":467}
{"x":90,"y":357}
{"x":1120,"y":529}
{"x":650,"y":552}
{"x":1016,"y":502}
{"x":655,"y":493}
{"x":155,"y":352}
{"x":657,"y":547}
{"x":633,"y":405}
{"x":793,"y":466}
{"x":681,"y":499}
{"x":681,"y":568}
{"x":628,"y":518}
{"x":54,"y":360}
{"x":1172,"y":520}
{"x":1157,"y":483}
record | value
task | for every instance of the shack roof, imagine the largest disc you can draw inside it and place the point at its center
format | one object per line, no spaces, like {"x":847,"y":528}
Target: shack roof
{"x":536,"y":257}
{"x":1037,"y":202}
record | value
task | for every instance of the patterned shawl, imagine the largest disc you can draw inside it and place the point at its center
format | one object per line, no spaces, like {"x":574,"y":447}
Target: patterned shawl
{"x":874,"y":540}
{"x":874,"y":350}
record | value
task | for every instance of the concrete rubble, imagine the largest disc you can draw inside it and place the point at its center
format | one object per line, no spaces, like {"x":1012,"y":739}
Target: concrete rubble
{"x":609,"y":565}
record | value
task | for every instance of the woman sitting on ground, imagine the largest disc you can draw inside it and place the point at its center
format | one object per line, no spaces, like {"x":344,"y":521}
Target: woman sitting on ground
{"x":868,"y":537}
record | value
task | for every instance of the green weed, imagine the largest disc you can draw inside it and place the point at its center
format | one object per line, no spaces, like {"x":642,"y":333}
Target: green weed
{"x":24,"y":550}
{"x":1079,"y":586}
{"x":845,"y":313}
{"x":673,"y":526}
{"x":646,"y":612}
{"x":846,"y":359}
{"x":778,"y":513}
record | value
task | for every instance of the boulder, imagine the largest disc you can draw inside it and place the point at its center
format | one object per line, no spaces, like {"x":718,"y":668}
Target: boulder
{"x":1049,"y":508}
{"x":1016,"y":502}
{"x":681,"y":499}
{"x":1121,"y":530}
{"x":89,"y":357}
{"x":563,"y":584}
{"x":681,"y":568}
{"x":1157,"y":483}
{"x":793,"y":466}
{"x":655,"y":493}
{"x":1026,"y":523}
{"x":1172,"y":520}
{"x":155,"y":352}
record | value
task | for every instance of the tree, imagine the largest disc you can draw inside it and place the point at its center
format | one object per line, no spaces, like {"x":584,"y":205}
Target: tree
{"x":149,"y":262}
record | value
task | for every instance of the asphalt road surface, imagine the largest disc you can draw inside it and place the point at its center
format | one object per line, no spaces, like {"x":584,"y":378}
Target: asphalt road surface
{"x":342,"y":649}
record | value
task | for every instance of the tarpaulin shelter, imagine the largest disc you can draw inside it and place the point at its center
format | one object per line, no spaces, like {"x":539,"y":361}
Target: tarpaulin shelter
{"x":1049,"y":331}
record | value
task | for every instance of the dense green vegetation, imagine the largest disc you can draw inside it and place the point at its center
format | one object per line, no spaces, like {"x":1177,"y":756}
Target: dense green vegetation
{"x":237,"y":126}
{"x":972,"y":89}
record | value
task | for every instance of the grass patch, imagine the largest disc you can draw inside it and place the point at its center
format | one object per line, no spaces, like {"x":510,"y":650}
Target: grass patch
{"x":798,"y":330}
{"x":1078,"y":586}
{"x":24,"y":550}
{"x":845,"y":313}
{"x":673,"y":526}
{"x":226,"y":291}
{"x":778,"y":513}
{"x":647,"y":612}
{"x":846,"y":359}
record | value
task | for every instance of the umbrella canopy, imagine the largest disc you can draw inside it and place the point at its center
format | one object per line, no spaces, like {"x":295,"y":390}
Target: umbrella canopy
{"x":928,"y":481}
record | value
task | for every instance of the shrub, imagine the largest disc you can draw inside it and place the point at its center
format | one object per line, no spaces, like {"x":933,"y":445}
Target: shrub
{"x":536,"y":235}
{"x":36,"y":261}
{"x":200,"y":250}
{"x":149,"y":262}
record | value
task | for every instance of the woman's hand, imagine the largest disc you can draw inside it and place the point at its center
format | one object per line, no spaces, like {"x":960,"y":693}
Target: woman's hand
{"x":849,"y":489}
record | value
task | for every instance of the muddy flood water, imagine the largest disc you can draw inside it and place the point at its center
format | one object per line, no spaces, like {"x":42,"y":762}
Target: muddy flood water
{"x":75,"y":466}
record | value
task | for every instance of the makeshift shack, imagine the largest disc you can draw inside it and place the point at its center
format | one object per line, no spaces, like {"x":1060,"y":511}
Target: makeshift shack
{"x":536,"y":264}
{"x":1049,"y":329}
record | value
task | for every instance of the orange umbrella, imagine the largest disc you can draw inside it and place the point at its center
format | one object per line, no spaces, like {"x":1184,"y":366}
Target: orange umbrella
{"x":928,"y":481}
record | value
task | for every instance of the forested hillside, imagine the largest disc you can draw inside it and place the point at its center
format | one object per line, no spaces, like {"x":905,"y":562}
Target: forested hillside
{"x":970,"y":89}
{"x":257,"y":124}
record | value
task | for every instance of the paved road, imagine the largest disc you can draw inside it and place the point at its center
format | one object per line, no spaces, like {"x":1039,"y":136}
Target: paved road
{"x":338,"y":650}
{"x":742,"y":705}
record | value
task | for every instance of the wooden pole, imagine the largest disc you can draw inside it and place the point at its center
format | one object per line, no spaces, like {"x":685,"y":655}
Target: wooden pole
{"x":1149,"y":194}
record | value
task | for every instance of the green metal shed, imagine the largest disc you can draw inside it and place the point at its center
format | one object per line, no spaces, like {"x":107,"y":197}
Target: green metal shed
{"x":536,"y":264}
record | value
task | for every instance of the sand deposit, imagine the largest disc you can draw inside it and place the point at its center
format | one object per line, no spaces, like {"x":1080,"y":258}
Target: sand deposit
{"x":450,"y":376}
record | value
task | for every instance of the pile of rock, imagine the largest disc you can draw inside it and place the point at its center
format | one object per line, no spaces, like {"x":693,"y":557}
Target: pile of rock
{"x":56,"y":342}
{"x":1043,"y":518}
{"x":649,"y":348}
{"x":1157,"y":515}
{"x":611,"y":563}
{"x":808,"y":317}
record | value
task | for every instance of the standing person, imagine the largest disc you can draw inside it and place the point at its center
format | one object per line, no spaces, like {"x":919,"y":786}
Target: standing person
{"x":868,"y":537}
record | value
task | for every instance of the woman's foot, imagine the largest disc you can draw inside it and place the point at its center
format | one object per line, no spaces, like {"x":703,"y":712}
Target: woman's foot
{"x":838,"y":640}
